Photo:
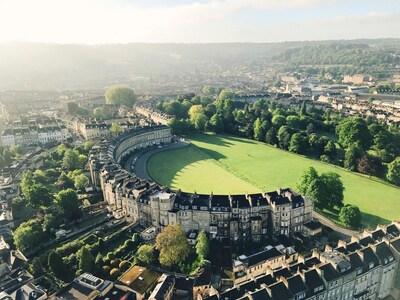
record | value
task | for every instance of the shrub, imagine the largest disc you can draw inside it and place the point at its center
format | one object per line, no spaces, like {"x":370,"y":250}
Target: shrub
{"x":106,"y":270}
{"x":90,"y":239}
{"x":114,"y":273}
{"x":130,"y":245}
{"x":110,"y":255}
{"x":124,"y":265}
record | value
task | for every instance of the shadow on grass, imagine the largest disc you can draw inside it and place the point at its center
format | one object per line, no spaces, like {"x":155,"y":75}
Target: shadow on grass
{"x":370,"y":221}
{"x":166,"y":175}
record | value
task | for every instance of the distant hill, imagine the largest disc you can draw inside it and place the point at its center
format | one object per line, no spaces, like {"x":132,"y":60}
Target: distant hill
{"x":36,"y":66}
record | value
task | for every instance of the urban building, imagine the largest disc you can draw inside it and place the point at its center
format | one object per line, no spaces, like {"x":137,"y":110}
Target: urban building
{"x":232,"y":217}
{"x":366,"y":267}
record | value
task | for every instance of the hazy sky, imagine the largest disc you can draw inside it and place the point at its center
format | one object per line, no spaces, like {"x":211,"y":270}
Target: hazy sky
{"x":122,"y":21}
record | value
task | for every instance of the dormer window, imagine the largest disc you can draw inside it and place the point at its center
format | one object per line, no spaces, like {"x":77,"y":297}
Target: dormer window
{"x":371,"y":265}
{"x":391,"y":258}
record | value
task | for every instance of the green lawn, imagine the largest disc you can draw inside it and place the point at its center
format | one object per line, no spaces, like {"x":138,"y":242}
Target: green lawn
{"x":227,"y":164}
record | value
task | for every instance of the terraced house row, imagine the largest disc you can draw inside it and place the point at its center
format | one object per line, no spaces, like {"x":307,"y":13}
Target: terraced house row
{"x":247,"y":216}
{"x":366,"y":267}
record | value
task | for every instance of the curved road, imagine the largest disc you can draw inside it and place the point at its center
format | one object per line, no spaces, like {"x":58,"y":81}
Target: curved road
{"x":344,"y":233}
{"x":140,"y":167}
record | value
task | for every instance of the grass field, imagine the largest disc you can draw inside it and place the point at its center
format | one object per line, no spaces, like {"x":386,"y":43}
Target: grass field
{"x":227,"y":164}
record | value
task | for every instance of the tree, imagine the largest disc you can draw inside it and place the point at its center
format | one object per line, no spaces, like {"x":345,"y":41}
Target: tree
{"x":115,"y":129}
{"x":86,"y":260}
{"x":56,"y":264}
{"x":71,"y":160}
{"x":68,"y":201}
{"x":278,"y":121}
{"x":332,"y":190}
{"x":145,"y":254}
{"x":99,"y":113}
{"x":309,"y":175}
{"x":197,"y":117}
{"x":370,"y":165}
{"x":284,"y":137}
{"x":350,"y":215}
{"x":38,"y":195}
{"x":178,"y":126}
{"x":28,"y":235}
{"x":72,"y":108}
{"x":393,"y":174}
{"x":216,"y":123}
{"x":88,"y":145}
{"x":352,"y":131}
{"x":298,"y":143}
{"x":326,"y":190}
{"x":36,"y":267}
{"x":260,"y":129}
{"x":64,"y":182}
{"x":352,"y":157}
{"x":173,"y":245}
{"x":209,"y":90}
{"x":271,"y":136}
{"x":7,"y":155}
{"x":202,"y":246}
{"x":81,"y":182}
{"x":330,"y":149}
{"x":27,"y":180}
{"x":293,"y":122}
{"x":120,"y":95}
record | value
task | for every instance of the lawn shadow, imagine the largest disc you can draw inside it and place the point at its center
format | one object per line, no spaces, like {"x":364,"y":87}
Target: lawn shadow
{"x":370,"y":221}
{"x":201,"y":154}
{"x":211,"y":138}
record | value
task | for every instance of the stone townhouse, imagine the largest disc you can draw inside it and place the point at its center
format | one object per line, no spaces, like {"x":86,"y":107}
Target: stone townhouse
{"x":366,"y":267}
{"x":235,"y":217}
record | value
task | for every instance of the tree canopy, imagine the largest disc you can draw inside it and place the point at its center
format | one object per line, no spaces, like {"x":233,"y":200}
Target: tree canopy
{"x":173,"y":245}
{"x":393,"y":174}
{"x":120,"y":95}
{"x":350,"y":215}
{"x":202,"y":246}
{"x":68,"y":201}
{"x":326,"y":190}
{"x":145,"y":254}
{"x":354,"y":131}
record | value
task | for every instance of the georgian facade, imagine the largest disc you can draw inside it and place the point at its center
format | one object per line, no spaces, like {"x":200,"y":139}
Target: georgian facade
{"x":234,"y":217}
{"x":366,"y":267}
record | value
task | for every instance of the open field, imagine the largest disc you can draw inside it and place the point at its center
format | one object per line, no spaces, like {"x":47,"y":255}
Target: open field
{"x":227,"y":164}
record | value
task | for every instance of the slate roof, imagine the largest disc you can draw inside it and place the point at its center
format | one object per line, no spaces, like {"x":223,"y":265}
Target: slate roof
{"x":355,"y":261}
{"x":396,"y":244}
{"x":240,"y":201}
{"x":279,"y":291}
{"x":392,"y":229}
{"x":369,"y":257}
{"x":284,"y":272}
{"x":261,"y":256}
{"x":313,"y":280}
{"x":258,"y":200}
{"x":377,"y":235}
{"x":366,"y":241}
{"x":265,"y":279}
{"x":296,"y":285}
{"x":329,"y":272}
{"x":353,"y":247}
{"x":384,"y":253}
{"x":260,"y":295}
{"x":220,"y":201}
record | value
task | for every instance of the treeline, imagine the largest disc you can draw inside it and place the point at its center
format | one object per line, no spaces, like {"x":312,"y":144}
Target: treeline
{"x":362,"y":145}
{"x":348,"y":58}
{"x":51,"y":190}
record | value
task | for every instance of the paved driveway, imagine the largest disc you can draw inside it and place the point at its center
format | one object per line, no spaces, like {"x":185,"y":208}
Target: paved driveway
{"x":140,"y":166}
